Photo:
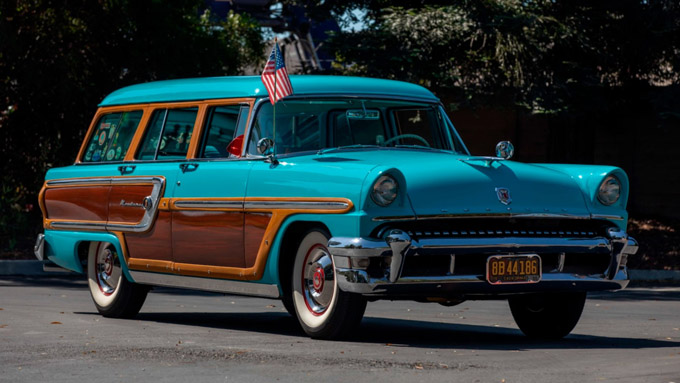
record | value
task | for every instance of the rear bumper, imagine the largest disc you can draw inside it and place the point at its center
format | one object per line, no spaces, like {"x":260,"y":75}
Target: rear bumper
{"x":376,"y":267}
{"x":39,"y":247}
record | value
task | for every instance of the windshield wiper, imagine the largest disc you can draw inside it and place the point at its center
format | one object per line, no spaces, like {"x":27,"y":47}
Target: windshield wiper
{"x":356,"y":146}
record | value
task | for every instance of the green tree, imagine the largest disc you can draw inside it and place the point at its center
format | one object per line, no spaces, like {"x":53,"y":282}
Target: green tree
{"x":545,"y":56}
{"x":58,"y":59}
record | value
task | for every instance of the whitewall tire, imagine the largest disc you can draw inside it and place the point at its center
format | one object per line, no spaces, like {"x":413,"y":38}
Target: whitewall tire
{"x":113,"y":295}
{"x":323,"y":310}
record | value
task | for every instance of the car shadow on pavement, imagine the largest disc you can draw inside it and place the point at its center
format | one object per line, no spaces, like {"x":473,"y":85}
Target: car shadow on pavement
{"x":639,"y":294}
{"x":406,"y":333}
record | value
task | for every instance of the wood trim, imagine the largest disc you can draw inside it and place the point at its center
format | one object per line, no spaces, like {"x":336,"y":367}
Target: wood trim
{"x":139,"y":134}
{"x":41,"y":203}
{"x":278,"y":216}
{"x":154,"y":265}
{"x":197,"y":132}
{"x":123,"y":245}
{"x":47,"y":222}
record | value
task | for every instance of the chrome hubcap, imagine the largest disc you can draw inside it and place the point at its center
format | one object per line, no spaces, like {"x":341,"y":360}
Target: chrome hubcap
{"x":107,"y":270}
{"x":318,"y":280}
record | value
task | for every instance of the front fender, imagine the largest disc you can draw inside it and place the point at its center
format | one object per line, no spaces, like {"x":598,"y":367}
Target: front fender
{"x":589,"y":178}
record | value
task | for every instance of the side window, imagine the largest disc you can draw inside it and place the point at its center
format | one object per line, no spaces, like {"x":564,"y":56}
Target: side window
{"x":221,"y":125}
{"x":169,"y":134}
{"x":112,"y":136}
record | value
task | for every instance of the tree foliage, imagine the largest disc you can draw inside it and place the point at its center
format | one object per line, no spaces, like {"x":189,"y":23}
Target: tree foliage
{"x":58,"y":59}
{"x":545,"y":55}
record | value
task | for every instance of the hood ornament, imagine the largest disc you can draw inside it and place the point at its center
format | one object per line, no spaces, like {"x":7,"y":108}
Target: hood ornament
{"x":503,"y":195}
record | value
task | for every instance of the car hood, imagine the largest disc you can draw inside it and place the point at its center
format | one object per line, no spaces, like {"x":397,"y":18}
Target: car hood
{"x":439,"y":183}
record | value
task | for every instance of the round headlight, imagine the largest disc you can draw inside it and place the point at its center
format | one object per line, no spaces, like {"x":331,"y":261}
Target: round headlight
{"x":610,"y":191}
{"x":385,"y":190}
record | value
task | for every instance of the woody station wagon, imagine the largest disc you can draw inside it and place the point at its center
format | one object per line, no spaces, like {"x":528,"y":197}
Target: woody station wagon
{"x":351,"y":190}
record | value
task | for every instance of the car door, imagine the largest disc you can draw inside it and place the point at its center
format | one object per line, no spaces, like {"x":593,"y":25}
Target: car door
{"x":163,"y":147}
{"x":207,"y":204}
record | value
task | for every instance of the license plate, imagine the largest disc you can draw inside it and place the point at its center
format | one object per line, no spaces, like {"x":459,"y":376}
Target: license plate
{"x":502,"y":269}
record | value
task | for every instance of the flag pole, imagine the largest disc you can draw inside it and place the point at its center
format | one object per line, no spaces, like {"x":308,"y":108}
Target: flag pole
{"x":276,"y":60}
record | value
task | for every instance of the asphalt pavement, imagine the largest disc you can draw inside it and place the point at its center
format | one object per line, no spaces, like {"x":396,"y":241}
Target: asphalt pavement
{"x":50,"y":331}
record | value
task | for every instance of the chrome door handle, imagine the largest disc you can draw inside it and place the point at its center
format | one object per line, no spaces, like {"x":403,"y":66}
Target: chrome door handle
{"x":126,"y":169}
{"x":190,"y":167}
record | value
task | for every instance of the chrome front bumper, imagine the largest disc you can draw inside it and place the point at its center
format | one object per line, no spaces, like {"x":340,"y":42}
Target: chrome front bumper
{"x":352,"y":257}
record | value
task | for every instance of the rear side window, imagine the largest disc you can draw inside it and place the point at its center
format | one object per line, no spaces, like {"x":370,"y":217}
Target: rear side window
{"x":112,"y":136}
{"x":168,"y":135}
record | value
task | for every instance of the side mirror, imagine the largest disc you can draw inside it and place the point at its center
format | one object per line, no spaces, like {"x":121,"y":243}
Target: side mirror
{"x":265,"y":146}
{"x":505,"y":150}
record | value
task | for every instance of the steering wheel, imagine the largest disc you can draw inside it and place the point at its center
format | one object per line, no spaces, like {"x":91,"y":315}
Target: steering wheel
{"x":414,"y":136}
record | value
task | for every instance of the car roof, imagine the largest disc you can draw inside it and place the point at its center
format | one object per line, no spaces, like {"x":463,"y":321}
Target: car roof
{"x":251,"y":86}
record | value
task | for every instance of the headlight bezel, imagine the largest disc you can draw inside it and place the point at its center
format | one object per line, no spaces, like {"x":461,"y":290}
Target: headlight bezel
{"x":609,"y":191}
{"x":381,"y":193}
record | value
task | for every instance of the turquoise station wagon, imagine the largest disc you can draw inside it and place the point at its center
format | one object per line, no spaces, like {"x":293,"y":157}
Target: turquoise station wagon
{"x":350,"y":190}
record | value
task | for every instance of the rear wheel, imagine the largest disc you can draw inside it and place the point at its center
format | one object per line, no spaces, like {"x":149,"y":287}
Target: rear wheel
{"x":323,"y":310}
{"x":112,"y":293}
{"x":547,"y":316}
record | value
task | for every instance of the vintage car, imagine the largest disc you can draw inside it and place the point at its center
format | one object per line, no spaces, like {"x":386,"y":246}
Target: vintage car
{"x":348,"y":191}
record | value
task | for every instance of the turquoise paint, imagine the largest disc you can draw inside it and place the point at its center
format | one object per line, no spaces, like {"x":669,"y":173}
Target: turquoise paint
{"x":431,"y":182}
{"x":251,"y":86}
{"x":63,"y":247}
{"x":340,"y":225}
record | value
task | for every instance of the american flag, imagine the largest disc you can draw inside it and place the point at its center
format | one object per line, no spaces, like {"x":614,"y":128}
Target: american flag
{"x":275,"y":76}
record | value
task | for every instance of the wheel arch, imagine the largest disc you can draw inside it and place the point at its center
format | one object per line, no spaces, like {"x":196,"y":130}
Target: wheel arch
{"x":286,"y":255}
{"x":69,"y":249}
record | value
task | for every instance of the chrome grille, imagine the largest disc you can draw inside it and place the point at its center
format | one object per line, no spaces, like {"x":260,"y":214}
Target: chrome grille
{"x":501,"y":233}
{"x":480,"y":228}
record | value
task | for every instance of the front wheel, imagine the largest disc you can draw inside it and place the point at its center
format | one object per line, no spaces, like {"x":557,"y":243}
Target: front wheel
{"x":323,"y":310}
{"x":112,"y":293}
{"x":547,"y":316}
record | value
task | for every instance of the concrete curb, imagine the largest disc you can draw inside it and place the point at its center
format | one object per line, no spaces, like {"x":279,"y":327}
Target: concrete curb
{"x":28,"y":268}
{"x":35,"y":269}
{"x":654,"y":275}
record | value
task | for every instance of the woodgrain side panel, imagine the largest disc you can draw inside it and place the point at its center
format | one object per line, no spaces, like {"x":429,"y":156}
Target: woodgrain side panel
{"x":127,"y":194}
{"x":154,"y":244}
{"x":86,"y":203}
{"x":255,"y":228}
{"x":208,"y":238}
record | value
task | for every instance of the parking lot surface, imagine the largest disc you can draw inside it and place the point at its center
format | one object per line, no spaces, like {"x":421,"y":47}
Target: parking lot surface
{"x":50,"y":331}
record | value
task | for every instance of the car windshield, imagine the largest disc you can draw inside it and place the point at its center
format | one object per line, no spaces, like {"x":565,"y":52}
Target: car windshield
{"x":330,"y":124}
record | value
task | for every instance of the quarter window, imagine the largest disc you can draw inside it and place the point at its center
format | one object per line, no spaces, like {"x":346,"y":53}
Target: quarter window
{"x":169,"y":134}
{"x":112,"y":136}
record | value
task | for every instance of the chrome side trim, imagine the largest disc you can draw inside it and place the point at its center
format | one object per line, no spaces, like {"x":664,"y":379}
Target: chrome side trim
{"x":100,"y":225}
{"x":143,"y":225}
{"x":609,"y":217}
{"x":209,"y":204}
{"x":395,"y":218}
{"x":297,"y":205}
{"x":262,"y":205}
{"x":206,"y":284}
